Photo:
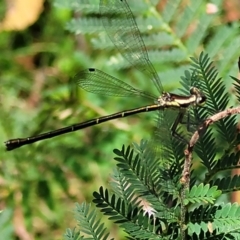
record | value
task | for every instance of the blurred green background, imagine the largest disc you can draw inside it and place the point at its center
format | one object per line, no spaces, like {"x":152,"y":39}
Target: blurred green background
{"x":40,"y":52}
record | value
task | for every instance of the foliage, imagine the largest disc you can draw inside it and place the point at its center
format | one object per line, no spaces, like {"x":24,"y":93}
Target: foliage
{"x":167,"y":35}
{"x":145,"y":197}
{"x":37,"y":95}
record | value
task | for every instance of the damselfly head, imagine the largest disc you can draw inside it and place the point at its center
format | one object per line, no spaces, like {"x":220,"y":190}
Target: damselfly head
{"x":200,"y":97}
{"x":166,"y":96}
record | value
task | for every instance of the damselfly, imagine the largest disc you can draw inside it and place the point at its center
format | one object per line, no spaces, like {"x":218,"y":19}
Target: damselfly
{"x":121,"y":27}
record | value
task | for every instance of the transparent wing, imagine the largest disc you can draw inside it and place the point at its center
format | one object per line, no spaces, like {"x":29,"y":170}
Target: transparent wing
{"x":96,"y":81}
{"x":122,"y":29}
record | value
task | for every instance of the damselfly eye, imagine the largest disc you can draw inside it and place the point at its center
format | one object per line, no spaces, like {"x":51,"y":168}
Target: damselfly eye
{"x":194,"y":91}
{"x":200,"y":97}
{"x":202,"y":100}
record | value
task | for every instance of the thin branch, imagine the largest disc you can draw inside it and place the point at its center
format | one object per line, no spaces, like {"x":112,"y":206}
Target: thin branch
{"x":185,"y":179}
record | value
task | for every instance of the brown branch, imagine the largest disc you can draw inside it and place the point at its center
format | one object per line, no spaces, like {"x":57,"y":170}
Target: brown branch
{"x":201,"y":130}
{"x":185,"y":179}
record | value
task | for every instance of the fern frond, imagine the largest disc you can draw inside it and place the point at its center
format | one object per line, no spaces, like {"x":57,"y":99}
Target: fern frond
{"x":202,"y":214}
{"x":134,"y":221}
{"x":216,"y":220}
{"x":160,"y":178}
{"x":111,"y":206}
{"x":211,"y":85}
{"x":237,"y":87}
{"x":155,"y":168}
{"x":88,"y":25}
{"x":88,"y":223}
{"x":227,"y":219}
{"x":204,"y":231}
{"x":227,"y":184}
{"x":72,"y":235}
{"x":203,"y":194}
{"x":81,"y":5}
{"x":131,"y":168}
{"x":217,"y":98}
{"x":119,"y":185}
{"x":140,"y":183}
{"x":226,"y":162}
{"x":207,"y":154}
